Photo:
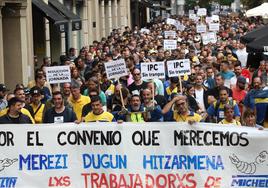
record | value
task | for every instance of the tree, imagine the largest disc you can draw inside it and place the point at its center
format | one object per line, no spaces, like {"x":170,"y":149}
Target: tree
{"x":225,"y":2}
{"x":251,"y":4}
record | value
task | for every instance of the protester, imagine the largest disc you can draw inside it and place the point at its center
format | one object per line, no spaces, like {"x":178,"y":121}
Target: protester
{"x":37,"y":106}
{"x":59,"y":113}
{"x":249,"y":119}
{"x":3,"y":101}
{"x":14,"y":115}
{"x":229,"y":115}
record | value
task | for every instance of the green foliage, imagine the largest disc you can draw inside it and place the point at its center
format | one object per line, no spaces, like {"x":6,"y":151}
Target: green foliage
{"x":225,"y":2}
{"x":251,"y":4}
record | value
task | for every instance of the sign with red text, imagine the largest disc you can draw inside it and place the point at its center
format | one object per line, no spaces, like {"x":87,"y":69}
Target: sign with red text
{"x":159,"y":154}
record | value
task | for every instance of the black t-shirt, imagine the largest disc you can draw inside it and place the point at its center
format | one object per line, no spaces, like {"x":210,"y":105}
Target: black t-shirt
{"x":133,"y":88}
{"x":21,"y":119}
{"x":51,"y":116}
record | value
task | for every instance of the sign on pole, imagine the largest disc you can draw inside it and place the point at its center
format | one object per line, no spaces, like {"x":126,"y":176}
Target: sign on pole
{"x":171,"y":21}
{"x":171,"y":34}
{"x":209,"y":37}
{"x":151,"y":70}
{"x":192,"y":16}
{"x":58,"y":74}
{"x":202,"y":12}
{"x":170,"y":44}
{"x":214,"y":26}
{"x":144,"y":30}
{"x":116,"y":69}
{"x":178,"y":67}
{"x":201,"y":28}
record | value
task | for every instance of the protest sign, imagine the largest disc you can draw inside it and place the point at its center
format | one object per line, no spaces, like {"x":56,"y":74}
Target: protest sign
{"x":170,"y":44}
{"x":201,"y":28}
{"x":191,"y":12}
{"x":116,"y":69}
{"x":178,"y":67}
{"x":180,"y":27}
{"x":144,"y":30}
{"x":171,"y":34}
{"x":192,"y":16}
{"x":94,"y":155}
{"x":208,"y":20}
{"x":171,"y":21}
{"x":214,"y":27}
{"x":209,"y":37}
{"x":58,"y":74}
{"x":215,"y":18}
{"x":202,"y":12}
{"x":151,"y":70}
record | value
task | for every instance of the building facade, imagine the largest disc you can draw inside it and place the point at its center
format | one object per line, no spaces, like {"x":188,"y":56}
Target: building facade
{"x":49,"y":28}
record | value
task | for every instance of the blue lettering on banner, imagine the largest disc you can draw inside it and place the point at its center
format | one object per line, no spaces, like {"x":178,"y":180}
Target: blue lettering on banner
{"x":43,"y":162}
{"x":250,"y":181}
{"x":9,"y":182}
{"x":187,"y":162}
{"x":105,"y":161}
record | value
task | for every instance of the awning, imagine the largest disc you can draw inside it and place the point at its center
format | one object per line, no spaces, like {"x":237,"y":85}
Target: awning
{"x":257,"y":33}
{"x":258,"y":46}
{"x":52,"y":15}
{"x":76,"y":20}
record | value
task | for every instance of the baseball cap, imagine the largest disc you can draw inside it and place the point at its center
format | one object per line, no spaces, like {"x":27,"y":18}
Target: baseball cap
{"x":241,"y":79}
{"x":3,"y":87}
{"x":35,"y":91}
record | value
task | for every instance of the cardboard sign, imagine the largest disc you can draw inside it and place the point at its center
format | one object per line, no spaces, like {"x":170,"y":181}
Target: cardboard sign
{"x":116,"y":69}
{"x":209,"y":37}
{"x":214,"y":27}
{"x":202,"y":12}
{"x":58,"y":74}
{"x":151,"y":70}
{"x":171,"y":34}
{"x":201,"y":28}
{"x":170,"y":44}
{"x":178,"y":67}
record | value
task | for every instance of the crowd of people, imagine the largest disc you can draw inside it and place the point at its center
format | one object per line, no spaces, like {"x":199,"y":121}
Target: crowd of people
{"x":223,"y":86}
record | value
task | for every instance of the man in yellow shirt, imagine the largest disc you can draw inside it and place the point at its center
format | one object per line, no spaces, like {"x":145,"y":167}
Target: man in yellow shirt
{"x":77,"y":100}
{"x":36,"y":104}
{"x":180,"y":111}
{"x":97,"y":113}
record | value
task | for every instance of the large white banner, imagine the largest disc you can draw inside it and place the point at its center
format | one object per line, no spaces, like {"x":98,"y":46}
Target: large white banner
{"x":148,"y":155}
{"x":58,"y":74}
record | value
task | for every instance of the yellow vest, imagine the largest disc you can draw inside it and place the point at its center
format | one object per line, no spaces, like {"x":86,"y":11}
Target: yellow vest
{"x":38,"y":116}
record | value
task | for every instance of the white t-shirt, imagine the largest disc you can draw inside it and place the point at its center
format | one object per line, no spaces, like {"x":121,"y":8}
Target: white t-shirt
{"x":199,"y":97}
{"x":242,"y":56}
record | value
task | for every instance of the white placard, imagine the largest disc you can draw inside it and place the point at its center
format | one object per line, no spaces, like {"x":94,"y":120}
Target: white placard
{"x":202,"y":12}
{"x":171,"y":21}
{"x":151,"y":70}
{"x":58,"y":74}
{"x":170,"y":44}
{"x":144,"y":30}
{"x":201,"y":28}
{"x":116,"y":69}
{"x":214,"y":27}
{"x":171,"y":34}
{"x":215,"y":18}
{"x":192,"y":16}
{"x":209,"y":37}
{"x":180,"y":27}
{"x":178,"y":67}
{"x":191,"y":12}
{"x":208,"y":20}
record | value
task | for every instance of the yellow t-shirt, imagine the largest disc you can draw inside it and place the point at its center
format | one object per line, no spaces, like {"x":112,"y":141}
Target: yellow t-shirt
{"x":104,"y":117}
{"x":78,"y":105}
{"x":169,"y":92}
{"x":39,"y":114}
{"x":23,"y":110}
{"x":234,"y":122}
{"x":191,"y":117}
